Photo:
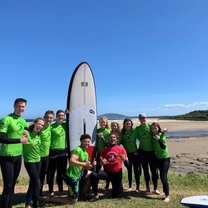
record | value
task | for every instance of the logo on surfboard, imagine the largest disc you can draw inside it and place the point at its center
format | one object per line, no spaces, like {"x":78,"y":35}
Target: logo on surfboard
{"x":92,"y":111}
{"x":84,"y":84}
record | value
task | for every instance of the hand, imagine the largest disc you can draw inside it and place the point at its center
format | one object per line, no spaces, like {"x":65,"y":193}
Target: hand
{"x":88,"y":165}
{"x":122,"y":156}
{"x":157,"y":137}
{"x":94,"y":163}
{"x":100,"y":135}
{"x":103,"y":161}
{"x":24,"y":140}
{"x":164,"y":130}
{"x":25,"y":133}
{"x":67,"y":111}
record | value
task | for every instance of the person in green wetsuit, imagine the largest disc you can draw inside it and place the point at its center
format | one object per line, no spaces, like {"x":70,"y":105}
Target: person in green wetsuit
{"x":146,"y":152}
{"x":102,"y":139}
{"x":79,"y":160}
{"x":57,"y":155}
{"x":163,"y":160}
{"x":128,"y":140}
{"x":45,"y":138}
{"x":115,"y":128}
{"x":12,"y":127}
{"x":31,"y":154}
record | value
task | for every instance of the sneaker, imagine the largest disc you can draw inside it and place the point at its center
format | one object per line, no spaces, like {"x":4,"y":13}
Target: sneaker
{"x":137,"y":190}
{"x":95,"y":198}
{"x":167,"y":199}
{"x":51,"y":194}
{"x":156,"y":192}
{"x":28,"y":206}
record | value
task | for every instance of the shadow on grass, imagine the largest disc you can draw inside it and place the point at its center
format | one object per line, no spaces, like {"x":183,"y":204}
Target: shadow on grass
{"x":62,"y":200}
{"x":19,"y":198}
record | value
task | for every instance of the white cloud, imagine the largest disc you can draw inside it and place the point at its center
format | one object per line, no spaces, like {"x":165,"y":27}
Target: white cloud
{"x":190,"y":105}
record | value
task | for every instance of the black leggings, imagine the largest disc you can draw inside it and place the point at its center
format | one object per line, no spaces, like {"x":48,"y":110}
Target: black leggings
{"x":57,"y":161}
{"x":133,"y":161}
{"x":148,"y":160}
{"x":163,"y":166}
{"x":10,"y":168}
{"x":33,"y":192}
{"x":114,"y":177}
{"x":43,"y":171}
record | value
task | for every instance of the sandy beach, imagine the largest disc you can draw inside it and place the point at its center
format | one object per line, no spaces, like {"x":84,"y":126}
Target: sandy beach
{"x":188,"y":154}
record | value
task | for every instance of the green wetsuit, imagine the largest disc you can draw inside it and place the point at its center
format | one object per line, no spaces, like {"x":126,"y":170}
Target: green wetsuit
{"x":100,"y":144}
{"x":159,"y":152}
{"x":58,"y":136}
{"x":13,"y":125}
{"x":45,"y":138}
{"x":31,"y":151}
{"x":128,"y":140}
{"x":143,"y":133}
{"x":75,"y":171}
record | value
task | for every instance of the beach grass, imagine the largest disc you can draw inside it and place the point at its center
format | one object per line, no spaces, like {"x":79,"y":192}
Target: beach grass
{"x":181,"y":185}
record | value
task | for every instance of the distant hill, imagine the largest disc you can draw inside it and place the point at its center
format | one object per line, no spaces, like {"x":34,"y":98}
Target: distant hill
{"x":198,"y":115}
{"x":114,"y":116}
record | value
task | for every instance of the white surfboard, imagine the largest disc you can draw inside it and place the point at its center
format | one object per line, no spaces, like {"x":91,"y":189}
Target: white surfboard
{"x":81,"y":103}
{"x":195,"y":201}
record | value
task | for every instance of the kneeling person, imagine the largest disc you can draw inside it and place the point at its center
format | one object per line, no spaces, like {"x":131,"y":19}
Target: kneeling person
{"x":78,"y":161}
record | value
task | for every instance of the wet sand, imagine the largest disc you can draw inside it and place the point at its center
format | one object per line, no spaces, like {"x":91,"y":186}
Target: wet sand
{"x":188,"y":154}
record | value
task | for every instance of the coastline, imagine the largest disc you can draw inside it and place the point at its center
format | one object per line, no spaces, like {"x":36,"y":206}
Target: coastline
{"x":173,"y":125}
{"x":187,"y":153}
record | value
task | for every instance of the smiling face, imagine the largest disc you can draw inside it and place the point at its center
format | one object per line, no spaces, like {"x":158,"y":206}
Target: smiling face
{"x":85,"y":143}
{"x":114,"y":126}
{"x":60,"y":116}
{"x":112,"y":139}
{"x":48,"y":118}
{"x":142,"y":120}
{"x":103,"y":123}
{"x":19,"y":108}
{"x":154,"y":129}
{"x":38,"y":125}
{"x":128,"y":125}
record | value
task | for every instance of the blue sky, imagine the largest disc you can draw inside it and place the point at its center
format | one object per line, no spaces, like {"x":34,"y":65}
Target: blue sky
{"x":147,"y":56}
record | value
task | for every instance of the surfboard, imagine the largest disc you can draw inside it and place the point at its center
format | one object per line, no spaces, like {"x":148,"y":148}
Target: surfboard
{"x":195,"y":201}
{"x":82,"y":108}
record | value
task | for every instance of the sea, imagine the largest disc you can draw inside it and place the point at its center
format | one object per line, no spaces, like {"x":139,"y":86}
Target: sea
{"x":186,"y":133}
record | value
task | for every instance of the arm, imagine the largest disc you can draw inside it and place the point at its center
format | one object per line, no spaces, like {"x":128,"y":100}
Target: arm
{"x":101,"y":137}
{"x":125,"y":159}
{"x":74,"y":162}
{"x":162,"y":145}
{"x":5,"y":140}
{"x":103,"y":161}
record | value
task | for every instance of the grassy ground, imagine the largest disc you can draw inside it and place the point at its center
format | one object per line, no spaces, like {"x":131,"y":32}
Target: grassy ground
{"x":181,"y":185}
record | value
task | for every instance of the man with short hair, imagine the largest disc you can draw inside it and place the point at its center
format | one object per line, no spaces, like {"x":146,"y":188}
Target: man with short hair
{"x":79,"y":161}
{"x":11,"y":127}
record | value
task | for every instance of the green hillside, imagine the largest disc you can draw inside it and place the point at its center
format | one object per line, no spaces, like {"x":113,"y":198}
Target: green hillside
{"x":198,"y":115}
